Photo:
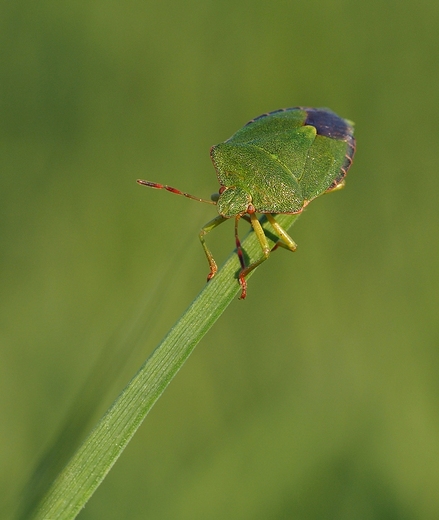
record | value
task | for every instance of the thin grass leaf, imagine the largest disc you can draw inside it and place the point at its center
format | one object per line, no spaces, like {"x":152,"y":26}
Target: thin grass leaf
{"x":94,"y":459}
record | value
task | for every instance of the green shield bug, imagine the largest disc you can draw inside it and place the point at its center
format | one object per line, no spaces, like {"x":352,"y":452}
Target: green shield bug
{"x":277,"y":163}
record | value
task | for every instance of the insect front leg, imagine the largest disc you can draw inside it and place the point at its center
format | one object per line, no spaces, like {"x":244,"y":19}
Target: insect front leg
{"x":207,"y":229}
{"x":285,"y":240}
{"x":265,"y":252}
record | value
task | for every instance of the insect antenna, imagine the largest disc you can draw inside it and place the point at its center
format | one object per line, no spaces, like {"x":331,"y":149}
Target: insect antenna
{"x":173,"y":190}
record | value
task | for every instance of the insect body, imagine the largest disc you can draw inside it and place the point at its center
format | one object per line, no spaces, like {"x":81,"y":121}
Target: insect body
{"x":277,"y":163}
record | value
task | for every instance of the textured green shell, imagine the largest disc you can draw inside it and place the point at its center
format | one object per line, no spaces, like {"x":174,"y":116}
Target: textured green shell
{"x":280,"y":161}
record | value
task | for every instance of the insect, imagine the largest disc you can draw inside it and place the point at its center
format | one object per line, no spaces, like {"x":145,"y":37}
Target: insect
{"x":277,"y":163}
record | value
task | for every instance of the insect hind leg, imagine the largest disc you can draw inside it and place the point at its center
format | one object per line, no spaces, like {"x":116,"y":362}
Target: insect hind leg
{"x":285,"y":240}
{"x":265,"y":252}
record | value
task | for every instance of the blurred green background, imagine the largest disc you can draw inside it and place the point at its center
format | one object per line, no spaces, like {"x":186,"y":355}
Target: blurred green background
{"x":317,"y":397}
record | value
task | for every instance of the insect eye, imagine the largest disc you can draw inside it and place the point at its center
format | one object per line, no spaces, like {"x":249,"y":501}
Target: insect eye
{"x":214,"y":197}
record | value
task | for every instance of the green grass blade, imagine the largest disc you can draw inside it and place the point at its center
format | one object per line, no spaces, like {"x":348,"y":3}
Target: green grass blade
{"x":94,"y":459}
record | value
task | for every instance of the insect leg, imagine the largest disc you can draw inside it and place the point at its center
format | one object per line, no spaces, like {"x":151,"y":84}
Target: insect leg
{"x":238,"y":244}
{"x":207,"y":229}
{"x":285,"y":240}
{"x":265,"y":252}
